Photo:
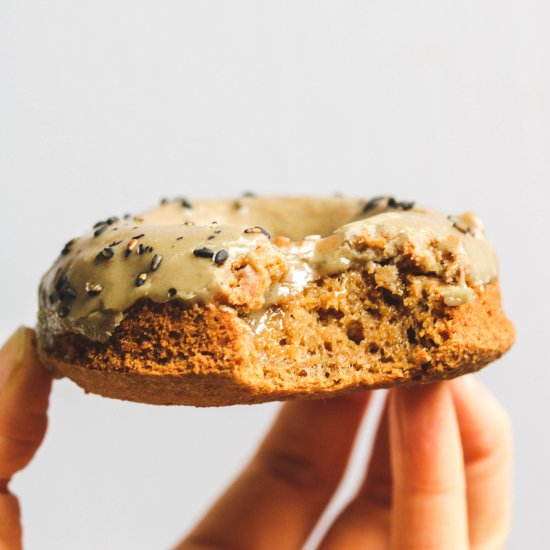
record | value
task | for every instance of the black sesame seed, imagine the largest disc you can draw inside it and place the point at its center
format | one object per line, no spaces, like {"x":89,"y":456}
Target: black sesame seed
{"x":97,"y":224}
{"x":172,"y":292}
{"x":257,"y":229}
{"x":61,"y":282}
{"x":115,"y":243}
{"x":211,"y":237}
{"x":179,"y":238}
{"x":163,"y":201}
{"x":203,"y":252}
{"x":249,"y":194}
{"x":127,"y":216}
{"x":93,"y":289}
{"x":185,"y":203}
{"x":65,"y":310}
{"x":108,"y":252}
{"x":100,"y":230}
{"x":140,"y":249}
{"x":406,"y":205}
{"x":157,"y":258}
{"x":220,"y":257}
{"x":188,"y":223}
{"x":139,"y":236}
{"x":218,"y":231}
{"x":68,"y":246}
{"x":141,"y":278}
{"x":373,"y":203}
{"x":111,"y":220}
{"x":148,"y":249}
{"x":67,"y":293}
{"x":214,"y":222}
{"x":392,"y":203}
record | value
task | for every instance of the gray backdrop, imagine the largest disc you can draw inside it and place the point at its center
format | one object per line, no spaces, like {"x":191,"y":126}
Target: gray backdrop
{"x":106,"y":106}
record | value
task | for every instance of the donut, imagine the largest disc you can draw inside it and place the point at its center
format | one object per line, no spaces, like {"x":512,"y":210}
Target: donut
{"x":222,"y":302}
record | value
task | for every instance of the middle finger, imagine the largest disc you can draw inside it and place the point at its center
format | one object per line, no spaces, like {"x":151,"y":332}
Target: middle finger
{"x":365,"y":521}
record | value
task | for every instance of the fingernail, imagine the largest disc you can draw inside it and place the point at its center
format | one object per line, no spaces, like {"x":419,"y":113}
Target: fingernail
{"x":12,"y":353}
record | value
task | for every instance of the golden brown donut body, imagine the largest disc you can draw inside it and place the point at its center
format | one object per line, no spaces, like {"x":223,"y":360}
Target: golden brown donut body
{"x":315,"y":346}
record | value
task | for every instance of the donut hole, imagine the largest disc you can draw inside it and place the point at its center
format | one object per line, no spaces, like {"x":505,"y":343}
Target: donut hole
{"x":291,"y":217}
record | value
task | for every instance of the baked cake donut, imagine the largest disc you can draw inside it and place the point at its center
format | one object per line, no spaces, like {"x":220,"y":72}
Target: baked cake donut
{"x":220,"y":302}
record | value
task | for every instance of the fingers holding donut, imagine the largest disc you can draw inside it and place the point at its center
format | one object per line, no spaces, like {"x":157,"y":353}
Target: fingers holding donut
{"x":439,"y":474}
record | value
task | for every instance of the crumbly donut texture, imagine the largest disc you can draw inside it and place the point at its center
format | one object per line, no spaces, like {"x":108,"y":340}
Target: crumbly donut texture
{"x":400,"y":295}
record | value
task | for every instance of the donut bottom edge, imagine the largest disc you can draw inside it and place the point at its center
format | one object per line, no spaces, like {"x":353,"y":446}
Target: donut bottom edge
{"x":343,"y":334}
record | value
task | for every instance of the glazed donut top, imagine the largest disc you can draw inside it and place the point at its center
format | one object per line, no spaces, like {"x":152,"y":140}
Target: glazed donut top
{"x":251,"y":252}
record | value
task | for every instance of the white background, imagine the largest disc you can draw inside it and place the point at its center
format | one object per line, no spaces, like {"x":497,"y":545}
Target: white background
{"x":107,"y":106}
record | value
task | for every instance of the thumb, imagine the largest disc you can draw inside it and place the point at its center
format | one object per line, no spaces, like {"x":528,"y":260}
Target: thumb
{"x":24,"y":390}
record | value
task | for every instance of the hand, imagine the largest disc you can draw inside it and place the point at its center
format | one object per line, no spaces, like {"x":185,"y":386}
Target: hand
{"x":438,"y":478}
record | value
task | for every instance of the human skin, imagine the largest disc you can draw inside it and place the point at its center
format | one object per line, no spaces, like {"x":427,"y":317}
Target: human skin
{"x":438,"y":475}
